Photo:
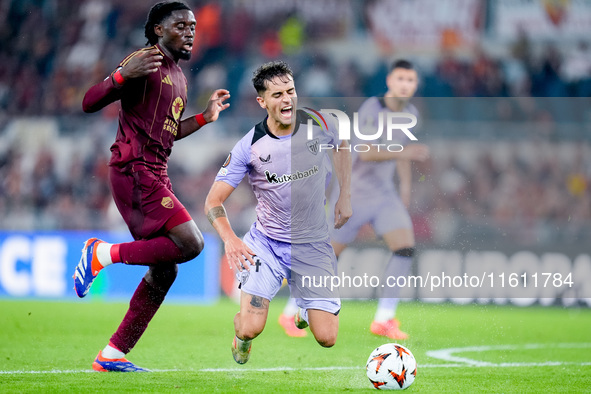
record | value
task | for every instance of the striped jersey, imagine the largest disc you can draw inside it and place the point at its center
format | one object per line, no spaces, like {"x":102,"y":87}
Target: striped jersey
{"x":288,"y":175}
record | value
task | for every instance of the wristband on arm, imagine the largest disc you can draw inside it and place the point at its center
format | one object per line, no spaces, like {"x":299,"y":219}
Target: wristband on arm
{"x":200,"y":119}
{"x":118,"y":77}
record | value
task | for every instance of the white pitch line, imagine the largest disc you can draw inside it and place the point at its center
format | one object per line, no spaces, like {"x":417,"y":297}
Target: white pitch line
{"x":290,"y":369}
{"x":45,"y":372}
{"x":441,"y":354}
{"x":448,"y":354}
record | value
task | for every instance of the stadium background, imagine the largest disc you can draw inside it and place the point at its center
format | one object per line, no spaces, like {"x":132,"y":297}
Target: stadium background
{"x":504,"y":95}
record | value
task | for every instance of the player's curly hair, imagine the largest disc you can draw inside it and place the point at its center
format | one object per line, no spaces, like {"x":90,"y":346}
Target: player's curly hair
{"x":157,"y":14}
{"x":267,"y":72}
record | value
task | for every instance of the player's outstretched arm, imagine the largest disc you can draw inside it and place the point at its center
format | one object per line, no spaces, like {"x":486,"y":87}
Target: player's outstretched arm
{"x":342,"y":164}
{"x":111,"y":89}
{"x":414,"y":152}
{"x":237,"y":252}
{"x":216,"y":104}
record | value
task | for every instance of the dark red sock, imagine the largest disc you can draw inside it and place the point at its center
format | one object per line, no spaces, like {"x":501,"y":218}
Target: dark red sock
{"x":143,"y":306}
{"x":159,"y":250}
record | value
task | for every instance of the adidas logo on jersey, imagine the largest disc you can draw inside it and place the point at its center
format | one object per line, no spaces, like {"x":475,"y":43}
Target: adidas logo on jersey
{"x":167,"y":80}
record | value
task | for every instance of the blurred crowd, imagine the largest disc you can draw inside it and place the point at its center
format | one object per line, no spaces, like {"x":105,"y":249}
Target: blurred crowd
{"x":54,"y":49}
{"x":519,"y":192}
{"x":35,"y":195}
{"x":524,"y":192}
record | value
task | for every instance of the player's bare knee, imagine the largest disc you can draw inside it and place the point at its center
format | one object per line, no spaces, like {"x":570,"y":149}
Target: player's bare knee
{"x":246,"y":329}
{"x":249,"y":335}
{"x":192,"y":246}
{"x":195,"y":246}
{"x":188,"y":239}
{"x":326,"y":337}
{"x":199,"y":243}
{"x":327,"y":340}
{"x":327,"y":344}
{"x":249,"y":331}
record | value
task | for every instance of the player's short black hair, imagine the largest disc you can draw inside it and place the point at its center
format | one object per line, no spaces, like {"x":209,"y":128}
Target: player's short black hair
{"x":157,"y":14}
{"x":402,"y":63}
{"x":267,"y":72}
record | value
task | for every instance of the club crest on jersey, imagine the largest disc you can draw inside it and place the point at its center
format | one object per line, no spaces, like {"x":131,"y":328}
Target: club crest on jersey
{"x":265,"y":160}
{"x":167,"y":202}
{"x":177,"y":108}
{"x":313,"y":146}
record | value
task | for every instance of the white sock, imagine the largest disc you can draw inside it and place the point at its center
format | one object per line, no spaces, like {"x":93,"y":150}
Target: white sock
{"x":103,"y":253}
{"x":291,"y":308}
{"x":111,"y":352}
{"x":398,"y":266}
{"x":242,"y":345}
{"x":386,"y":309}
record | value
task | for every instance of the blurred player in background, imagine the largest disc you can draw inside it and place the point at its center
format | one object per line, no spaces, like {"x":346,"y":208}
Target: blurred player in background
{"x":375,"y":199}
{"x":288,"y":174}
{"x":153,"y":93}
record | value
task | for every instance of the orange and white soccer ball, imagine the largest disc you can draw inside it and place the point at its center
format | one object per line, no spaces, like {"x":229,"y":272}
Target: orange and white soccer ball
{"x":391,"y":367}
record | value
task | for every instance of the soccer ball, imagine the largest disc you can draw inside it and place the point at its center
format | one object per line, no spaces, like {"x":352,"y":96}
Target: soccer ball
{"x":391,"y":367}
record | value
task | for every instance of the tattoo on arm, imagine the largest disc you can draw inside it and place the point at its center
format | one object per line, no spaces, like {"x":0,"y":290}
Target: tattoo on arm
{"x":216,"y":212}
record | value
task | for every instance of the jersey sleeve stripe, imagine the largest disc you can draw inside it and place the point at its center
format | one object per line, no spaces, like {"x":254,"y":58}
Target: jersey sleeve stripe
{"x":130,"y":56}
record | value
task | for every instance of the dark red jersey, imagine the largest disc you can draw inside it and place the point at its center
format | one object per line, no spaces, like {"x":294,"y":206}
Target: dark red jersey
{"x":151,"y":111}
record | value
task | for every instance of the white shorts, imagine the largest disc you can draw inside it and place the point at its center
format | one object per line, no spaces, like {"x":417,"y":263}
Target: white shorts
{"x":305,"y":266}
{"x":384,"y":213}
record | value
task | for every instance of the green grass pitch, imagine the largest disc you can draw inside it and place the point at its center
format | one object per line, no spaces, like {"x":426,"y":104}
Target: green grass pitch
{"x":50,"y":346}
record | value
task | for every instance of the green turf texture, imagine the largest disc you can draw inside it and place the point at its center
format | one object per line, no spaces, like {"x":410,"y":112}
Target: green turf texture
{"x":188,"y":346}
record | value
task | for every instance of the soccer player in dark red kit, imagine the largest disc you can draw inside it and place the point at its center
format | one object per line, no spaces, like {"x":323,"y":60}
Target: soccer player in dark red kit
{"x":153,"y":93}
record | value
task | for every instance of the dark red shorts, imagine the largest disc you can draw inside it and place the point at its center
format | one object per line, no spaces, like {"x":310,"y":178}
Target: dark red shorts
{"x":146,"y":202}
